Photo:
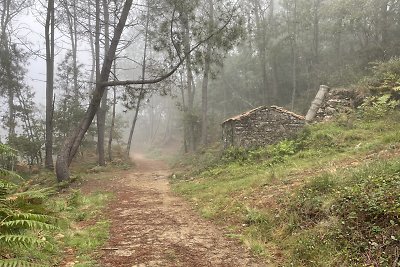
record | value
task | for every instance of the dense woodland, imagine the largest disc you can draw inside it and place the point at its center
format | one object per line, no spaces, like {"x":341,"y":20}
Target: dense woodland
{"x":215,"y":59}
{"x":146,"y":74}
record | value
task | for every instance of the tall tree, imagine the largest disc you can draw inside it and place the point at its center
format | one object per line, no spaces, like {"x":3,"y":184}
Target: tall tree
{"x":142,"y":91}
{"x":293,"y":44}
{"x":261,"y":41}
{"x":9,"y":10}
{"x":73,"y":141}
{"x":102,"y":112}
{"x":206,"y":74}
{"x":70,"y":10}
{"x":50,"y":37}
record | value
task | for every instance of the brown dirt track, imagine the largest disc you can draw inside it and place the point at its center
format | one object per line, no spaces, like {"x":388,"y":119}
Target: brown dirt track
{"x":150,"y":226}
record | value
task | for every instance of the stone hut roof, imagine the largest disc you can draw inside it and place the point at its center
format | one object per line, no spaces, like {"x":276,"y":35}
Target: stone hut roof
{"x":276,"y":108}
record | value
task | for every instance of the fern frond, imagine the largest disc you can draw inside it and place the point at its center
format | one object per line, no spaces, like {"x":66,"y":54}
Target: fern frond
{"x":6,"y":185}
{"x":34,"y":194}
{"x":9,"y":174}
{"x":32,"y":216}
{"x":21,"y":241}
{"x":6,"y":211}
{"x":27,"y":224}
{"x":18,"y":263}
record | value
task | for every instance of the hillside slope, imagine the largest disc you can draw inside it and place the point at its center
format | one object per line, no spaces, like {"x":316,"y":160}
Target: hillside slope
{"x":329,"y":198}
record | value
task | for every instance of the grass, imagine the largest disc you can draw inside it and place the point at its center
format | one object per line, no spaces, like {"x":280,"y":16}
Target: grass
{"x":305,"y":203}
{"x":82,"y":228}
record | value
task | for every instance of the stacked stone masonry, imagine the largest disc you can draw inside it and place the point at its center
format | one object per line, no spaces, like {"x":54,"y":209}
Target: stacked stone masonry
{"x":338,"y":101}
{"x":261,"y":127}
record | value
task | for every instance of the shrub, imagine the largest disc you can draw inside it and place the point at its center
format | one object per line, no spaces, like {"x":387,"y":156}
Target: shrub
{"x":377,"y":107}
{"x":369,"y":209}
{"x":235,"y":154}
{"x":385,"y":78}
{"x":308,"y":202}
{"x":280,"y":151}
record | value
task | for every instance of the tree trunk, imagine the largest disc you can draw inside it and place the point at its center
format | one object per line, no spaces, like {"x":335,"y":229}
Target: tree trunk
{"x":92,"y":48}
{"x":204,"y":89}
{"x":49,"y":35}
{"x":294,"y":55}
{"x":141,"y":94}
{"x":72,"y":21}
{"x":261,"y":46}
{"x":101,"y":114}
{"x":7,"y":62}
{"x":273,"y":54}
{"x":384,"y":29}
{"x":75,"y":50}
{"x":110,"y":139}
{"x":128,"y":147}
{"x":189,"y":113}
{"x":185,"y":125}
{"x":72,"y":143}
{"x":315,"y":65}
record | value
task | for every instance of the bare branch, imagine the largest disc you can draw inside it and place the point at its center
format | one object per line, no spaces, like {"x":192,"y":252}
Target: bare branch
{"x":174,"y":69}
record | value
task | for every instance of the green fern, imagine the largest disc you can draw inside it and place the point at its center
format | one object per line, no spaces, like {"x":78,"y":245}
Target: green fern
{"x":18,"y":263}
{"x":19,"y":219}
{"x":6,"y":174}
{"x":34,"y":217}
{"x":27,"y":224}
{"x":21,"y":240}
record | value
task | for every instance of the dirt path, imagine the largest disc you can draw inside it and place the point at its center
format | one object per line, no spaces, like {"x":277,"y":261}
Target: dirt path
{"x":153,"y":227}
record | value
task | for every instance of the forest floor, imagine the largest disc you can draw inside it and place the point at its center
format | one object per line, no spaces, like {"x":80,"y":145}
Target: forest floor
{"x":150,"y":226}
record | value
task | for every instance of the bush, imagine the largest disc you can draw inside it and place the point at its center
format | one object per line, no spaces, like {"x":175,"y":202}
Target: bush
{"x":385,"y":78}
{"x":308,"y":204}
{"x":276,"y":153}
{"x":377,"y":107}
{"x":280,"y":151}
{"x":369,"y":209}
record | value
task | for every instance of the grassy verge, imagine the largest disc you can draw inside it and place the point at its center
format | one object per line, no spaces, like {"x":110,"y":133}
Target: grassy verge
{"x":301,"y":202}
{"x":81,"y":227}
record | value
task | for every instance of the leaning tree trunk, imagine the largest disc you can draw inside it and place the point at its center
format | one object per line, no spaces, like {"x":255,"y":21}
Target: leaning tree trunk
{"x":71,"y":144}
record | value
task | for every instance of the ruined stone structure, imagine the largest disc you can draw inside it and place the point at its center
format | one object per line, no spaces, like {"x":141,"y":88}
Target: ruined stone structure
{"x":338,"y":101}
{"x":261,"y":126}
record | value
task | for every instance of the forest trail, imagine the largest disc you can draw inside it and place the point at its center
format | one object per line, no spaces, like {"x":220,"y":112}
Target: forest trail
{"x":150,"y":226}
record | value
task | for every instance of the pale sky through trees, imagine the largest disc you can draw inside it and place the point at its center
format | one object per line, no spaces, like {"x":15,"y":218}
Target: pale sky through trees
{"x":31,"y":31}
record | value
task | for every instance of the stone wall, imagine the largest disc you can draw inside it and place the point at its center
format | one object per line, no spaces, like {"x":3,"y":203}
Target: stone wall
{"x":338,"y":101}
{"x":261,"y":127}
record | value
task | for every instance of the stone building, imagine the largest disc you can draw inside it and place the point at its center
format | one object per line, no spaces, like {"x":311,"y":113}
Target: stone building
{"x":261,"y":126}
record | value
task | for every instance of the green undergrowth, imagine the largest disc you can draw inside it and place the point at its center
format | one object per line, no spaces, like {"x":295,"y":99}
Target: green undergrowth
{"x":43,"y":223}
{"x":330,"y":197}
{"x":77,"y":229}
{"x":87,"y":228}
